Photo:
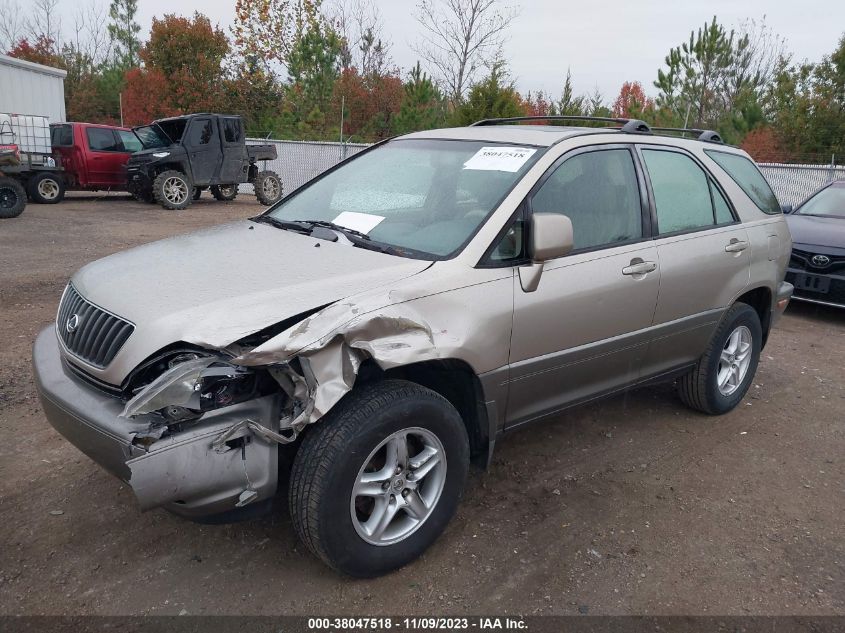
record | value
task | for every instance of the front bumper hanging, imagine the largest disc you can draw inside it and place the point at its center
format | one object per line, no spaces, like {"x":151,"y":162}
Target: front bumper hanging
{"x":211,"y":466}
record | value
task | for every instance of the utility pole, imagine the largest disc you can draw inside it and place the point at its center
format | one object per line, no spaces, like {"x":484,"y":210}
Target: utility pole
{"x":342,"y":147}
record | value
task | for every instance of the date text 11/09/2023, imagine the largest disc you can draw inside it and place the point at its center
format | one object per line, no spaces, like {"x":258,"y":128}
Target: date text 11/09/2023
{"x":417,"y":624}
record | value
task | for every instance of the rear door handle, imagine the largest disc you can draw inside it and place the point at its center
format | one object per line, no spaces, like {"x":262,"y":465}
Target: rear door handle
{"x":736,"y":246}
{"x":639,"y":267}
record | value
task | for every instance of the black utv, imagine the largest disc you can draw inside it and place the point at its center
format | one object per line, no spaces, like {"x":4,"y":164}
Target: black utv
{"x":185,"y":155}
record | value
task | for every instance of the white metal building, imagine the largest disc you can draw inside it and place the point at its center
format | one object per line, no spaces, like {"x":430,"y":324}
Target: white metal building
{"x":32,"y":89}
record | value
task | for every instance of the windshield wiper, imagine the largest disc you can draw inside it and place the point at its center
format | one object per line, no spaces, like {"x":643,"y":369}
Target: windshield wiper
{"x":336,"y":227}
{"x":359,"y":239}
{"x":298,"y":227}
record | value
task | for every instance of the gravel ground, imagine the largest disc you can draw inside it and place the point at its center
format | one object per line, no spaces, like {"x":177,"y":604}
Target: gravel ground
{"x":630,"y":506}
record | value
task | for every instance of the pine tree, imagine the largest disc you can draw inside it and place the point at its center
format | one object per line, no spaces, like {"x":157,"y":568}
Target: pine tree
{"x":123,"y":30}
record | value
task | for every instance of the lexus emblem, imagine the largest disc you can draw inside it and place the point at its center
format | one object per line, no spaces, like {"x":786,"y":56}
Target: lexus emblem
{"x":72,"y":323}
{"x":820,"y":260}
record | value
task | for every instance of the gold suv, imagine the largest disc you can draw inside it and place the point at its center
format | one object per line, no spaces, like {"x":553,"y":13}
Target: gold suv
{"x":389,"y":321}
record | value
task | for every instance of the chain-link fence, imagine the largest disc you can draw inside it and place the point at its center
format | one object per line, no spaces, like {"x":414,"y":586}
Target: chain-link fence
{"x":793,"y":184}
{"x":299,"y":161}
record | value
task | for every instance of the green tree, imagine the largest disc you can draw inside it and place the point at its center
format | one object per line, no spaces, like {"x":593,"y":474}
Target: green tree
{"x":716,"y":79}
{"x":493,"y":97}
{"x":423,"y":104}
{"x":123,"y":31}
{"x":314,"y":67}
{"x":695,"y":70}
{"x":569,"y":104}
{"x":806,"y":103}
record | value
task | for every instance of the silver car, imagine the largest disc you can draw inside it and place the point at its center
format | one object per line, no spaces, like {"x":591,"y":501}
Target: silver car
{"x":392,"y":319}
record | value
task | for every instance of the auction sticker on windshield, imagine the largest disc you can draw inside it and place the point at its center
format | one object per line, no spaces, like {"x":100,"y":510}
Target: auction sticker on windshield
{"x":363,"y":222}
{"x":499,"y":158}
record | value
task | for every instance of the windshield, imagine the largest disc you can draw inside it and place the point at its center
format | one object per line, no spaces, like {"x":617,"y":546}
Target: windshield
{"x":424,"y":197}
{"x":830,"y":201}
{"x":151,"y":136}
{"x":161,"y":133}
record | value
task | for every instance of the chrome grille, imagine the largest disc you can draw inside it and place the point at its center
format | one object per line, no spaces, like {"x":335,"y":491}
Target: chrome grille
{"x":97,"y":336}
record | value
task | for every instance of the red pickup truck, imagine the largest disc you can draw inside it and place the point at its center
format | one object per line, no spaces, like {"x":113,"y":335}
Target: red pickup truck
{"x":92,"y":156}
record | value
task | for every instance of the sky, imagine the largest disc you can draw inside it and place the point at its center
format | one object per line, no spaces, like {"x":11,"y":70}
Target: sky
{"x":603,"y":43}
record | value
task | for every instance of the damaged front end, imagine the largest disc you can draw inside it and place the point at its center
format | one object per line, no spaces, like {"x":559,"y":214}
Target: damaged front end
{"x":199,"y":427}
{"x":294,"y":378}
{"x":208,"y":435}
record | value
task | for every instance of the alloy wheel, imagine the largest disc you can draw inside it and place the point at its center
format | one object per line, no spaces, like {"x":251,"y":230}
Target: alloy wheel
{"x":175,"y":190}
{"x":398,"y":486}
{"x":270,"y":187}
{"x":734,"y":361}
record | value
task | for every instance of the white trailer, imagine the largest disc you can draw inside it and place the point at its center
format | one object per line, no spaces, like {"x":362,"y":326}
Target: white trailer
{"x":32,"y":89}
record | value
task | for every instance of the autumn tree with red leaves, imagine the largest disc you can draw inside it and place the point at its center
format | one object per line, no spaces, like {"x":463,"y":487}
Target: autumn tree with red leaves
{"x":632,"y":102}
{"x":182,"y":73}
{"x":42,"y":50}
{"x":763,"y":145}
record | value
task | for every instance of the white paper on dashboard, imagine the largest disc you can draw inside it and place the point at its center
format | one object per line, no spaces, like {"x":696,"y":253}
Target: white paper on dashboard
{"x":499,"y":158}
{"x":363,"y":222}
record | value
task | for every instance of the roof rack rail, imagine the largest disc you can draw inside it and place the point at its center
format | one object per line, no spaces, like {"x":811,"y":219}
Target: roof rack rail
{"x":708,"y":136}
{"x":627,"y":125}
{"x":633,"y":126}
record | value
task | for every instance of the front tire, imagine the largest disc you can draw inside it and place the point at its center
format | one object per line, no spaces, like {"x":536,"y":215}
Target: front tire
{"x":172,"y":190}
{"x":720,"y":380}
{"x":268,"y":187}
{"x":376,"y":481}
{"x":224,"y":193}
{"x":46,"y":188}
{"x":12,"y":198}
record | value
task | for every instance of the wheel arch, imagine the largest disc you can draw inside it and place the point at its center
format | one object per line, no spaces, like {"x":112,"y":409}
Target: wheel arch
{"x":455,"y":380}
{"x":174,"y":166}
{"x":760,"y":298}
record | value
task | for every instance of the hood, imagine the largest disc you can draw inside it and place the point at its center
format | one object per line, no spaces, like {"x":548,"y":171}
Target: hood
{"x":218,"y":285}
{"x":146,"y":155}
{"x":817,"y":230}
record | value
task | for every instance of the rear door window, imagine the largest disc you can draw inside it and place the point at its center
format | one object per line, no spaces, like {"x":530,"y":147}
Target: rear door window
{"x":722,"y":209}
{"x":102,"y":140}
{"x":746,"y":174}
{"x":232,"y":130}
{"x":681,"y":192}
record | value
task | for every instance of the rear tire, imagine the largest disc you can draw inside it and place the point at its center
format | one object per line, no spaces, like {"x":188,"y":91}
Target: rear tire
{"x":46,"y":188}
{"x":224,"y":193}
{"x":268,"y":187}
{"x":12,"y":198}
{"x":172,"y":190}
{"x":356,"y":446}
{"x":720,"y":380}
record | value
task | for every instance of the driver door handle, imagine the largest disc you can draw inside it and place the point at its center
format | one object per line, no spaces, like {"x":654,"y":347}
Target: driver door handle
{"x":639,"y":268}
{"x":736,"y":246}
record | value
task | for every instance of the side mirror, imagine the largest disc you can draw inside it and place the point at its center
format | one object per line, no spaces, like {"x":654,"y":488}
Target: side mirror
{"x":787,"y":208}
{"x":551,"y":236}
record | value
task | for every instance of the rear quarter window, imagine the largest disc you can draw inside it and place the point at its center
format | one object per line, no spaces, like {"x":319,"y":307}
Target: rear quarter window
{"x":746,"y":174}
{"x":61,"y":135}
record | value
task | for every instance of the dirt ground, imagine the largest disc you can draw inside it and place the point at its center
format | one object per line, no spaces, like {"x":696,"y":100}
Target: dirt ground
{"x":631,"y":506}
